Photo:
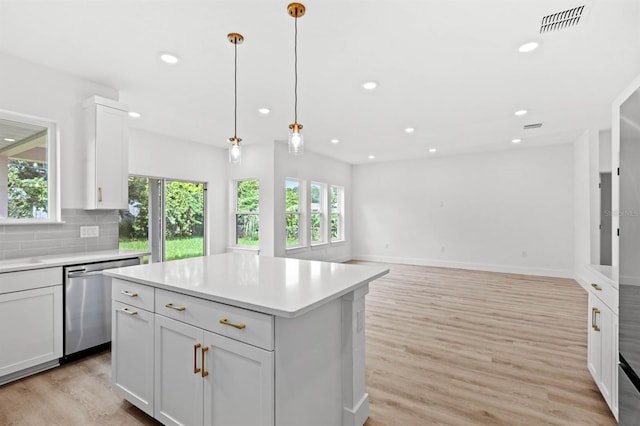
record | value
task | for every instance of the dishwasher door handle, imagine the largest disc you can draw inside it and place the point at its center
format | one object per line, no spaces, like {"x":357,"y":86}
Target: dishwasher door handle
{"x":80,"y":274}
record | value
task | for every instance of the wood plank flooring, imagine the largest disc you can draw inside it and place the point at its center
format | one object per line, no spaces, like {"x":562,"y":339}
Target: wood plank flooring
{"x":456,"y":347}
{"x":444,"y":346}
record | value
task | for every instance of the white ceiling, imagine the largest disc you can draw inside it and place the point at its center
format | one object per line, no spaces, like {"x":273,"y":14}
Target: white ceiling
{"x":450,"y":69}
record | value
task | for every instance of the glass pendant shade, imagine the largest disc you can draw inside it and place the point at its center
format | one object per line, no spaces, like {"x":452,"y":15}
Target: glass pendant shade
{"x":235,"y":151}
{"x":296,"y":140}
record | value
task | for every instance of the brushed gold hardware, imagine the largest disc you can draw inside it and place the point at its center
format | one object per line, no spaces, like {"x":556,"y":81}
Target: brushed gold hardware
{"x":205,"y":373}
{"x":177,"y":308}
{"x":594,"y":324}
{"x":596,"y":287}
{"x":129,"y":293}
{"x":235,"y":38}
{"x":296,"y":10}
{"x":238,"y":326}
{"x":99,"y":194}
{"x":127,"y":311}
{"x":196,"y":370}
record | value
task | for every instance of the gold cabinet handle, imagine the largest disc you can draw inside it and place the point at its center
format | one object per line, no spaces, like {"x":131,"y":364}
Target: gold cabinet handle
{"x":205,"y":373}
{"x":196,"y":370}
{"x":596,"y":287}
{"x":129,"y":293}
{"x":99,"y":194}
{"x":230,"y":324}
{"x":177,"y":308}
{"x":594,"y":324}
{"x":127,"y":311}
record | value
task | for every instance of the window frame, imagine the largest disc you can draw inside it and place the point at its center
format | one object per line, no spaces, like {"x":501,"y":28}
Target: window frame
{"x":53,"y":168}
{"x":302,"y":234}
{"x":339,"y":212}
{"x":322,"y":212}
{"x":236,"y":212}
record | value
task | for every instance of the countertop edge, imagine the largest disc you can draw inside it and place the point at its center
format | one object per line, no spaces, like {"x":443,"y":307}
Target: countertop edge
{"x":296,"y":312}
{"x":69,"y":259}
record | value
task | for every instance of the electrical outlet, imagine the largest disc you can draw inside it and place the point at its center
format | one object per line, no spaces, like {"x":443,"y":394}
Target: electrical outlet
{"x":89,"y":231}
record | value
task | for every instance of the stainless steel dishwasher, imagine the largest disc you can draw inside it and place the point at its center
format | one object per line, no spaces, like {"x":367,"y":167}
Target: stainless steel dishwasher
{"x":87,"y":305}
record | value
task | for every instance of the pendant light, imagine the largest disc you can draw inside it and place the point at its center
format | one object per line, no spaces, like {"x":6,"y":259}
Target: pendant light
{"x":235,"y":151}
{"x":296,"y":141}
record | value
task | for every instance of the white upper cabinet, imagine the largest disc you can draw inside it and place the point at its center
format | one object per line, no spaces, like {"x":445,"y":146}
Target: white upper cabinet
{"x":107,"y":143}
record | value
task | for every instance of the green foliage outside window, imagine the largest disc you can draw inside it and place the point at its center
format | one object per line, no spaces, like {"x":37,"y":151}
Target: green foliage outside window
{"x":28,"y":190}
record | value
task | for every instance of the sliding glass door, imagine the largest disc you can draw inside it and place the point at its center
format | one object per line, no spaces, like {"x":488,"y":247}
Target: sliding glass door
{"x":165,"y":217}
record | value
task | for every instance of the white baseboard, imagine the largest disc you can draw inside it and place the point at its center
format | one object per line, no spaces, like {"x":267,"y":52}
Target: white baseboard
{"x":544,"y":272}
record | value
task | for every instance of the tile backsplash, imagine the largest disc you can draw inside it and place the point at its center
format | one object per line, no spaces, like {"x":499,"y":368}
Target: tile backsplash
{"x":39,"y":240}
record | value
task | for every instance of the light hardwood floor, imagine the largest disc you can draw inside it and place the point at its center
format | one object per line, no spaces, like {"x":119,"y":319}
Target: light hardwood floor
{"x":444,"y":346}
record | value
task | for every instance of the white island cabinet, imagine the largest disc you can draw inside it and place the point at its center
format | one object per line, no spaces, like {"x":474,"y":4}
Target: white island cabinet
{"x":242,"y":339}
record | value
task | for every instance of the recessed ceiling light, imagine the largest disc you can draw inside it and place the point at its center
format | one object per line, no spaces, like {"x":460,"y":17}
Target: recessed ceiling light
{"x":528,"y":47}
{"x":9,"y":139}
{"x":516,"y":140}
{"x":169,"y":58}
{"x":520,"y":112}
{"x":370,"y":85}
{"x":409,"y":130}
{"x":335,"y":141}
{"x":134,"y":114}
{"x":432,"y":150}
{"x":371,"y":157}
{"x":264,"y":111}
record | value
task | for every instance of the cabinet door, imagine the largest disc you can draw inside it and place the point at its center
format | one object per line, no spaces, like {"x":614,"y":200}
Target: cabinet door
{"x":132,"y":355}
{"x":239,"y":389}
{"x":30,"y":328}
{"x":594,"y":338}
{"x":111,"y":160}
{"x":178,"y":378}
{"x":608,"y":357}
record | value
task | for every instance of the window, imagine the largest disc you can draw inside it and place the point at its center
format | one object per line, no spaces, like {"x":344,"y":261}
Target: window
{"x":247,"y":218}
{"x":337,"y":213}
{"x":318,"y":217}
{"x":165,"y":217}
{"x":293,"y":212}
{"x":27,"y":169}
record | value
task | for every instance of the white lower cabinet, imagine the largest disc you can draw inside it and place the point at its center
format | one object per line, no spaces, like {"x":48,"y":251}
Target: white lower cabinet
{"x":132,"y":354}
{"x":603,"y":349}
{"x":30,"y":328}
{"x":204,"y":378}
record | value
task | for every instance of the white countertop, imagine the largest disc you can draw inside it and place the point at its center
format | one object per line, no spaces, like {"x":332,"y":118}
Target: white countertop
{"x":607,"y":272}
{"x":276,"y":286}
{"x":39,"y":262}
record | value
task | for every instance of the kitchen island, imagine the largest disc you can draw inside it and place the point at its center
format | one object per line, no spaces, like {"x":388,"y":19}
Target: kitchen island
{"x":238,"y":339}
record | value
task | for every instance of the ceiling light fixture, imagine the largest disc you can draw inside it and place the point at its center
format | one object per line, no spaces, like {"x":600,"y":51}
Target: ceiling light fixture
{"x":335,"y":141}
{"x":370,"y":85}
{"x":516,"y":140}
{"x":432,"y":150}
{"x":264,"y":111}
{"x":235,"y":152}
{"x":528,"y":47}
{"x":9,"y":140}
{"x":169,"y":58}
{"x":409,"y":130}
{"x":134,"y":114}
{"x":296,"y":141}
{"x":520,"y":112}
{"x":371,"y":157}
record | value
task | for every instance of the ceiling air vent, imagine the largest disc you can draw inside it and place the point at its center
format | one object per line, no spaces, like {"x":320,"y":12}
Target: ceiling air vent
{"x":532,"y":126}
{"x":560,"y":20}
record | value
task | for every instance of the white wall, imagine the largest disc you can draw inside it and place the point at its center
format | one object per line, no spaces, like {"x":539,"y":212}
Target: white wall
{"x":604,"y":153}
{"x":310,"y":167}
{"x":34,"y":90}
{"x":509,"y":211}
{"x":160,"y":156}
